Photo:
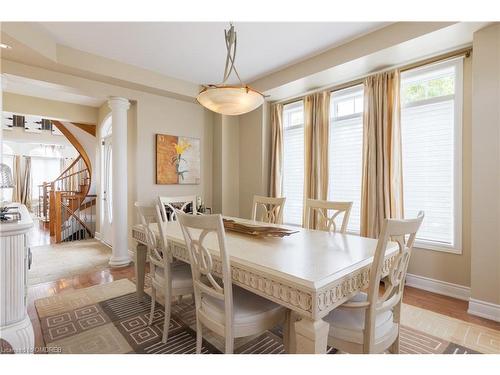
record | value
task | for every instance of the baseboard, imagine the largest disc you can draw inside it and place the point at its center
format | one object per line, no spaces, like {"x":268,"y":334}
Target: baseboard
{"x":484,"y":309}
{"x":438,"y":286}
{"x":97,"y":235}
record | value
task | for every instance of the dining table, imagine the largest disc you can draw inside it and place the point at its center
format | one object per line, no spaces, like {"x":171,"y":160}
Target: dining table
{"x":310,"y":272}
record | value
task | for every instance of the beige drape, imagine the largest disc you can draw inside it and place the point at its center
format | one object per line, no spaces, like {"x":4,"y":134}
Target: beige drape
{"x":26,"y":184}
{"x":276,"y":178}
{"x":316,"y":127}
{"x":382,"y":185}
{"x":18,"y":179}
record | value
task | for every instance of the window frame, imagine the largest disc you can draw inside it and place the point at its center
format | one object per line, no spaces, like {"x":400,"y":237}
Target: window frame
{"x":456,"y":246}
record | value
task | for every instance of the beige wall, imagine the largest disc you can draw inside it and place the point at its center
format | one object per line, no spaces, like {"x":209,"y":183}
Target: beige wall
{"x":226,"y":184}
{"x":485,"y":224}
{"x":153,"y":115}
{"x":230,"y":162}
{"x":454,"y":268}
{"x":30,"y":105}
{"x":253,"y":151}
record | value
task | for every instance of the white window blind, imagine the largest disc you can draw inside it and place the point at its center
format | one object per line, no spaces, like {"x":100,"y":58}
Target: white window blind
{"x":293,"y":162}
{"x":345,"y":150}
{"x":431,"y":139}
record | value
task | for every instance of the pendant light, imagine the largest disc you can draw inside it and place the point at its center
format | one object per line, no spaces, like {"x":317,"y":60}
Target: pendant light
{"x":230,"y":99}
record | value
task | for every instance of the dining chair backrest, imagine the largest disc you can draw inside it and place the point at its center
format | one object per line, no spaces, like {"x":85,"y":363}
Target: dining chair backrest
{"x":200,"y":232}
{"x":403,"y":232}
{"x":146,"y":212}
{"x":271,"y":209}
{"x":161,"y":219}
{"x":157,"y":252}
{"x":186,"y":203}
{"x":323,"y":221}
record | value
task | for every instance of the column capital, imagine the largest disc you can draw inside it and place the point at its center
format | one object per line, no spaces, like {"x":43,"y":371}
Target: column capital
{"x":116,"y":102}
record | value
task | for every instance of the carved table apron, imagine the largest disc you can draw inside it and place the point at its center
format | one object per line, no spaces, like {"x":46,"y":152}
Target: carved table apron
{"x":310,"y":273}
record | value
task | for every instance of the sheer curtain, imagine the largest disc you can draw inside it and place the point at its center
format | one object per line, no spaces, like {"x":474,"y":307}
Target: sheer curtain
{"x":316,"y":128}
{"x":382,"y":185}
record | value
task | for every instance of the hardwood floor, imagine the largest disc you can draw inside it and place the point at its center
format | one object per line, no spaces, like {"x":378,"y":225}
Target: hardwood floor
{"x":39,"y":235}
{"x":434,"y":302}
{"x":449,"y":306}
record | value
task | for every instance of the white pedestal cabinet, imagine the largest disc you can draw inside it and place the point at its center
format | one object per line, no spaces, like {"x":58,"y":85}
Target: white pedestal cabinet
{"x":15,"y":324}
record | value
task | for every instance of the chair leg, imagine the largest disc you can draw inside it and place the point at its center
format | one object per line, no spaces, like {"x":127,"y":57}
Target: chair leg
{"x":166,"y":324}
{"x":153,"y":303}
{"x":199,"y":336}
{"x":229,"y":345}
{"x":394,"y":348}
{"x":167,"y":309}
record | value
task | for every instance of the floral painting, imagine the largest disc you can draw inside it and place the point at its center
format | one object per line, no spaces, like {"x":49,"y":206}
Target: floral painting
{"x":177,"y":160}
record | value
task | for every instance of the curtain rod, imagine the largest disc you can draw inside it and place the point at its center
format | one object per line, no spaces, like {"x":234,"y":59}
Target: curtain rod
{"x":404,"y":67}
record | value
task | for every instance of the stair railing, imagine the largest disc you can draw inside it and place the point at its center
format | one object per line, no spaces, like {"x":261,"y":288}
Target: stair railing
{"x":77,"y":217}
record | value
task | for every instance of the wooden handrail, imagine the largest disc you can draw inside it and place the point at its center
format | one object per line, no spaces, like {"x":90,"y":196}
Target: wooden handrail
{"x":68,"y":168}
{"x":72,"y":139}
{"x":57,"y":197}
{"x":72,"y":174}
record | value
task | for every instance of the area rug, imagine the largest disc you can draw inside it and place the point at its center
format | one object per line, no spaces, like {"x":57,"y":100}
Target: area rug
{"x":65,"y":260}
{"x":110,"y":319}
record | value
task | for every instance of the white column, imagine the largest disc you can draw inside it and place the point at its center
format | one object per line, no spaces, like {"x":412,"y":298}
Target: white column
{"x":119,"y":108}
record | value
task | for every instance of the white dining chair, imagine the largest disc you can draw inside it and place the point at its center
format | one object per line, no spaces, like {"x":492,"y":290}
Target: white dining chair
{"x":146,"y":212}
{"x":323,"y":221}
{"x":227,"y":310}
{"x":270,"y":209}
{"x":370,"y":322}
{"x":168,"y":278}
{"x":177,"y":203}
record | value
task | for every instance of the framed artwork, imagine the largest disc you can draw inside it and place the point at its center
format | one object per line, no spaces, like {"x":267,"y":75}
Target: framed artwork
{"x":177,"y":160}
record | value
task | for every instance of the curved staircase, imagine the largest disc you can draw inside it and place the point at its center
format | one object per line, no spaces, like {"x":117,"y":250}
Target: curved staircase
{"x":66,"y":203}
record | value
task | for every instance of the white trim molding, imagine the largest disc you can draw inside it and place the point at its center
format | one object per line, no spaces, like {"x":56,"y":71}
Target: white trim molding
{"x":484,"y":309}
{"x":438,"y":286}
{"x":97,"y":236}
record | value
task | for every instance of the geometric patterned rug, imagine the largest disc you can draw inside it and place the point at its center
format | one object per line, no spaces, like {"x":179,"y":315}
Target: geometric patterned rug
{"x":110,"y":319}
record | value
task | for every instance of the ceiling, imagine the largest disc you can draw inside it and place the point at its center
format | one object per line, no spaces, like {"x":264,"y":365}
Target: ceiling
{"x":195,"y":51}
{"x":41,"y":89}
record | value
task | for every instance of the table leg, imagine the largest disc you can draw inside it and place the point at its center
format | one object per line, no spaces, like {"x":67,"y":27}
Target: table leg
{"x":140,"y":268}
{"x":289,"y":331}
{"x":311,"y":336}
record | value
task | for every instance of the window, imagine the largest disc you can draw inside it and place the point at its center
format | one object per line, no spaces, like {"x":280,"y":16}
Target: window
{"x":431,"y":113}
{"x":293,"y":162}
{"x":48,"y":151}
{"x":346,"y":150}
{"x":107,"y":127}
{"x":45,"y":166}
